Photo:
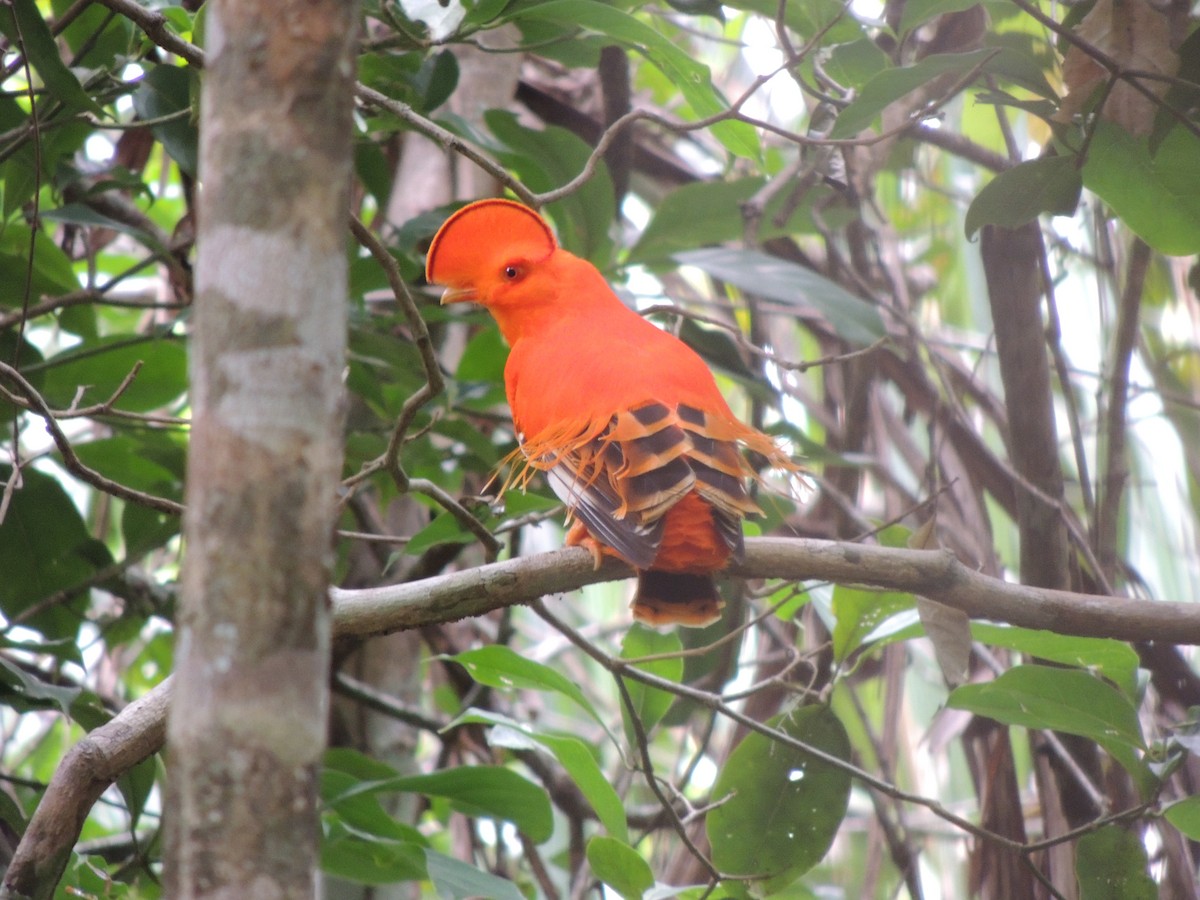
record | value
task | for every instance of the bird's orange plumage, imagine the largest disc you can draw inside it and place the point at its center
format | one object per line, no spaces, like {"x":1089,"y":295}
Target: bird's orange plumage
{"x":626,"y":421}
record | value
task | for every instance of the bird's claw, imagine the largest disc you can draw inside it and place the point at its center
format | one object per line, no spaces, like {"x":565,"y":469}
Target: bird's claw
{"x":577,"y":536}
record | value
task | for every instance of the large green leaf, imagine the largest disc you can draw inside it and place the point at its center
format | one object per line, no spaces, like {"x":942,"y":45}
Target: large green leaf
{"x":345,"y":770}
{"x":829,"y":18}
{"x":1111,"y":865}
{"x":444,"y":529}
{"x":92,"y":372}
{"x":502,"y":667}
{"x":780,"y":807}
{"x":52,"y":272}
{"x":122,"y":459}
{"x":1059,"y":699}
{"x":96,"y":37}
{"x":707,"y":212}
{"x":620,"y":867}
{"x":1185,"y":815}
{"x":890,"y":85}
{"x":572,"y":754}
{"x":45,"y":547}
{"x":492,"y":791}
{"x":1157,"y":196}
{"x":852,"y":318}
{"x":351,"y":856}
{"x":24,"y":691}
{"x":1115,"y":660}
{"x":859,"y":612}
{"x":650,"y":704}
{"x":166,"y":91}
{"x":456,"y":880}
{"x":483,"y":358}
{"x":1050,"y":185}
{"x":34,"y":37}
{"x":692,"y":78}
{"x":710,"y":212}
{"x":549,"y":158}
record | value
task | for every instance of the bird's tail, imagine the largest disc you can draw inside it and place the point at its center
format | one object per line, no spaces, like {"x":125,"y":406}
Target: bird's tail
{"x":676,"y":598}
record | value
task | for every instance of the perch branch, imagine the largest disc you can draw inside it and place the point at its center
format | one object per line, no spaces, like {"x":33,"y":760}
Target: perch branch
{"x":138,"y":730}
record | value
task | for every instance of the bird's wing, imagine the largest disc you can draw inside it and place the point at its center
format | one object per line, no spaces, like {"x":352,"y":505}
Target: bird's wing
{"x":621,"y":479}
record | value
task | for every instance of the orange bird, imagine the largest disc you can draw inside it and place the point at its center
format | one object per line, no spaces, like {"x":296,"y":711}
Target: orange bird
{"x":625,"y":420}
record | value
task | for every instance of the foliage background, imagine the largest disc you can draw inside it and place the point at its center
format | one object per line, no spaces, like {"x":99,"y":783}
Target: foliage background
{"x":798,"y":190}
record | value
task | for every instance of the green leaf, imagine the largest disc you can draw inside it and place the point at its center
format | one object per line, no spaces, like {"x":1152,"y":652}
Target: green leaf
{"x":45,"y":547}
{"x":1067,"y":700}
{"x":135,"y":785}
{"x":575,"y":757}
{"x":367,"y":861}
{"x":99,"y":367}
{"x":852,"y":64}
{"x":620,"y":867}
{"x":436,"y":80}
{"x":483,"y":358}
{"x":11,"y":813}
{"x":33,"y":35}
{"x":362,"y":813}
{"x":53,"y":272}
{"x":24,"y":691}
{"x":1050,"y":185}
{"x":650,"y":704}
{"x":165,"y":91}
{"x":859,"y":612}
{"x":691,"y":77}
{"x":81,"y":214}
{"x":707,"y":212}
{"x":492,"y":791}
{"x":892,"y":84}
{"x":824,"y":17}
{"x":520,"y":503}
{"x":1111,"y":865}
{"x":916,"y":12}
{"x":1185,"y":815}
{"x":719,"y":351}
{"x":852,"y":318}
{"x":784,"y":805}
{"x":1115,"y":660}
{"x":1156,"y":196}
{"x":97,"y":39}
{"x":499,"y":666}
{"x":456,"y":880}
{"x":444,"y":529}
{"x":122,"y":458}
{"x":712,"y":8}
{"x":549,"y":158}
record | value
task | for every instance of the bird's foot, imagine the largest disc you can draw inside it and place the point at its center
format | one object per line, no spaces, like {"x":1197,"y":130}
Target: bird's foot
{"x":577,"y":536}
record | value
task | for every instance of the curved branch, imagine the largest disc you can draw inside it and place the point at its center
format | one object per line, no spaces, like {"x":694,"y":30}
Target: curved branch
{"x":91,"y":766}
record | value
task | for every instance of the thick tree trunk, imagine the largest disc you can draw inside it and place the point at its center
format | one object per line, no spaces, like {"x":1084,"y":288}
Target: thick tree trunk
{"x":247,"y":727}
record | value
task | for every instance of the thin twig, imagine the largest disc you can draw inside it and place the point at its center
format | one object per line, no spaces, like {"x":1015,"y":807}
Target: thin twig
{"x":434,"y":384}
{"x":643,"y":745}
{"x":72,"y":462}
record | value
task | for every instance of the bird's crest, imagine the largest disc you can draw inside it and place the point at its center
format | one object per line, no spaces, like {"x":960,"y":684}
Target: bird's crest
{"x":463,"y":242}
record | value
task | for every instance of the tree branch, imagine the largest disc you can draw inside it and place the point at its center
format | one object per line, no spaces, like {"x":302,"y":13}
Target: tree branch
{"x":138,"y":730}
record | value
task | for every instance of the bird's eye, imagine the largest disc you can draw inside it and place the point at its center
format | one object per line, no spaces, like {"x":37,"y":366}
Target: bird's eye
{"x":511,"y":272}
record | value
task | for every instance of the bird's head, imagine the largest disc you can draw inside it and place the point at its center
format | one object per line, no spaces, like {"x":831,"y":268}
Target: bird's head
{"x":487,"y":251}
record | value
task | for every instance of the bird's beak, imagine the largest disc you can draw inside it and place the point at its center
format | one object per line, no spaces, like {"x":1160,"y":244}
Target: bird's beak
{"x":459,"y":295}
